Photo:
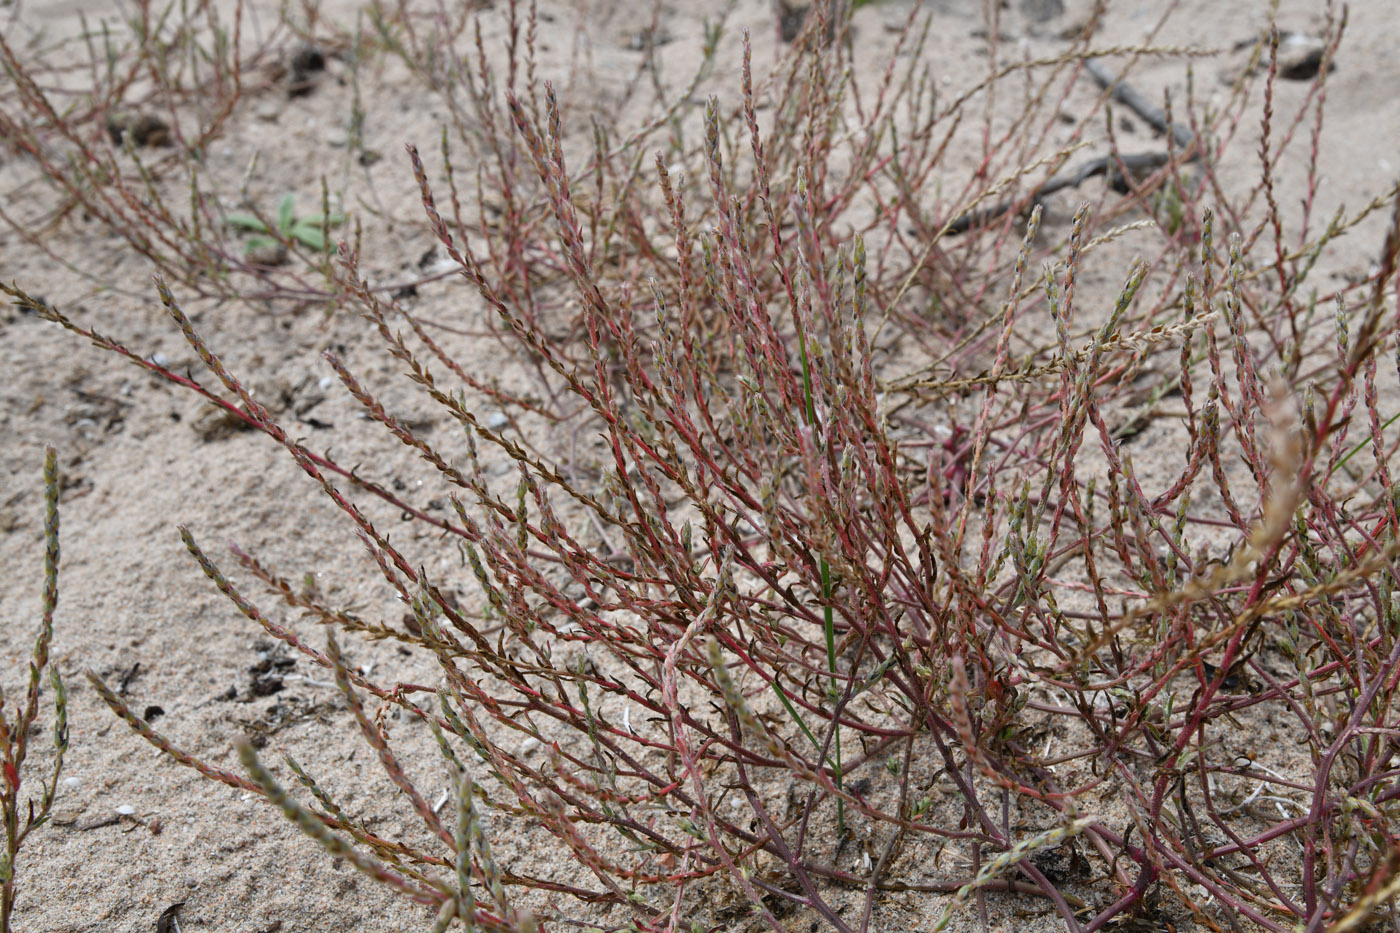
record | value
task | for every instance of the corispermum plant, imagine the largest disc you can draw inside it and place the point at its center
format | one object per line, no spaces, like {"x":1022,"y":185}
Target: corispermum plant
{"x":820,"y":566}
{"x":25,"y":812}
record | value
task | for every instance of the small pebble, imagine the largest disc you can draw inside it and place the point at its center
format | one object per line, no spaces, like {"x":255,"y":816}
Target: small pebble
{"x":269,"y":254}
{"x":307,"y":59}
{"x":497,"y":420}
{"x":126,"y":809}
{"x":72,"y":782}
{"x":144,"y":130}
{"x":1300,"y":56}
{"x":1039,"y":11}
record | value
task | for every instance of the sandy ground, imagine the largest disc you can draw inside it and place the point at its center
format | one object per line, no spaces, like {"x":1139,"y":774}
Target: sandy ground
{"x":133,"y":833}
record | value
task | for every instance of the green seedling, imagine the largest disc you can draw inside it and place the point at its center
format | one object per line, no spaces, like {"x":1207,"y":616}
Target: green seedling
{"x":310,"y":231}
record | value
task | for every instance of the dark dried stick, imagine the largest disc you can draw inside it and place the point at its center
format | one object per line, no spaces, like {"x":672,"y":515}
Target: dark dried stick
{"x":1114,"y":166}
